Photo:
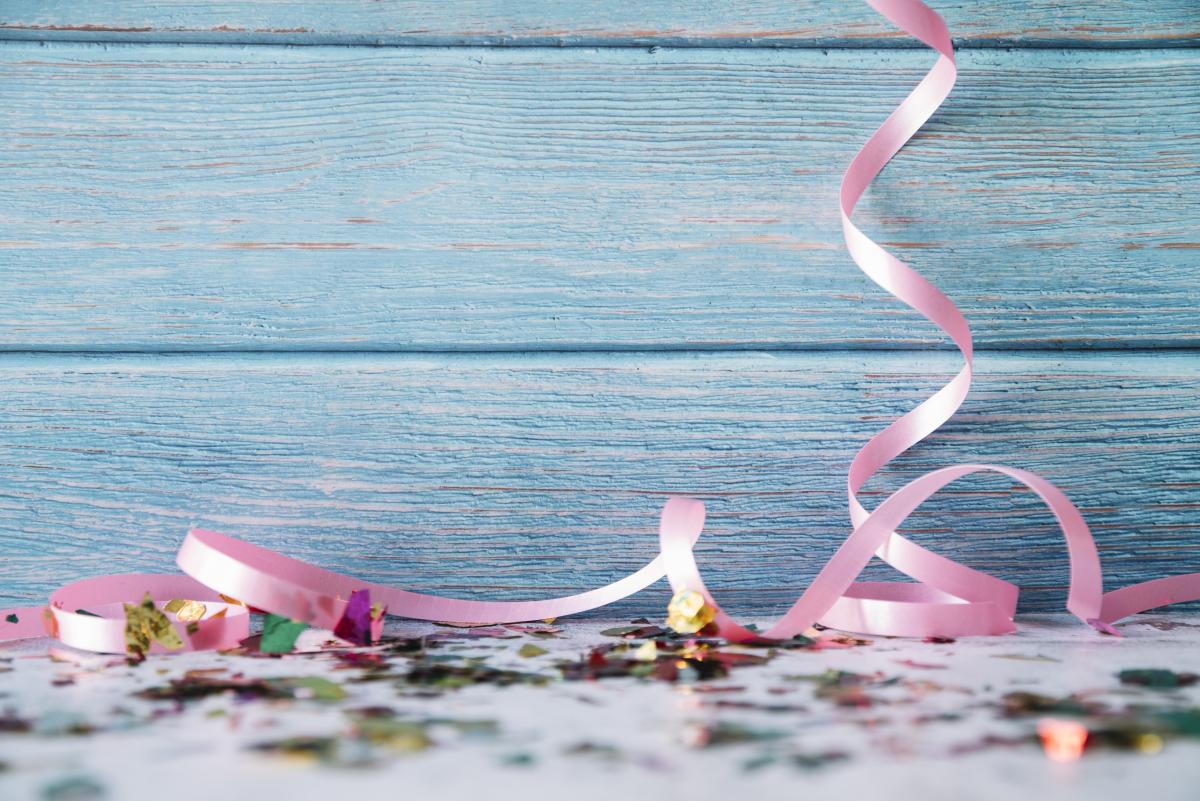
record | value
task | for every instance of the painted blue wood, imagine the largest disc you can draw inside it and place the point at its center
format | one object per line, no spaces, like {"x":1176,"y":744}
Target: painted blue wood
{"x":195,"y":198}
{"x":773,"y":23}
{"x":163,"y":198}
{"x":522,"y":475}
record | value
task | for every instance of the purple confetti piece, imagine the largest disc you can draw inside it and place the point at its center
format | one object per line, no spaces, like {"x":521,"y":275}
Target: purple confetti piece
{"x":355,"y":625}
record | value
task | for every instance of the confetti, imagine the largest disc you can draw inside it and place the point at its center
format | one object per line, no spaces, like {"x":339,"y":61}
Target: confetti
{"x":279,"y":634}
{"x":1157,"y":678}
{"x":891,"y":710}
{"x":817,"y":760}
{"x":1026,"y":657}
{"x":12,"y":618}
{"x":844,"y":688}
{"x":646,"y":652}
{"x":199,"y":684}
{"x":920,"y":665}
{"x":145,"y":624}
{"x":361,"y":623}
{"x":710,"y":735}
{"x":73,"y":788}
{"x":49,"y":622}
{"x":688,"y":612}
{"x":636,"y":632}
{"x":1016,"y":704}
{"x":398,"y":735}
{"x":543,"y":632}
{"x":432,"y":674}
{"x":315,"y":749}
{"x":186,"y":611}
{"x":1062,"y":740}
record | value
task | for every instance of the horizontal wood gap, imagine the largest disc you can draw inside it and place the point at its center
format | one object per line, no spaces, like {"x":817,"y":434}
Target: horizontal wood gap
{"x":748,"y":349}
{"x":908,"y":361}
{"x":362,"y":41}
{"x":561,"y":23}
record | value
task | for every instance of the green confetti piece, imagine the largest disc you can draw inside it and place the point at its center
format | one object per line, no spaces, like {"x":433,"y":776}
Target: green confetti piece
{"x":279,"y":634}
{"x":1157,"y":678}
{"x":13,"y":619}
{"x":315,"y":688}
{"x":529,"y":650}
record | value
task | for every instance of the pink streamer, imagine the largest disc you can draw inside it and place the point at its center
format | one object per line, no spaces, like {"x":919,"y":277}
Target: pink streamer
{"x":948,"y":599}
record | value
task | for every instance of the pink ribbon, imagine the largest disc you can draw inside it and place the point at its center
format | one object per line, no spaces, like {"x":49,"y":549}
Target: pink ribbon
{"x":948,"y":599}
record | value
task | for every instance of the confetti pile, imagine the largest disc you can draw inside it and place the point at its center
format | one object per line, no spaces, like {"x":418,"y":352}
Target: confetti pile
{"x":655,"y":700}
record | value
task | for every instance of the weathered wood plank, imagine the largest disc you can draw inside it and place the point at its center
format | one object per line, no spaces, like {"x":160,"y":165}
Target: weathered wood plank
{"x":526,"y":474}
{"x":773,"y":23}
{"x":173,"y":197}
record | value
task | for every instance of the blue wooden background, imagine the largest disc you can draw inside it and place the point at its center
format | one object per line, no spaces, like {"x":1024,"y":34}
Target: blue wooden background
{"x":453,"y":295}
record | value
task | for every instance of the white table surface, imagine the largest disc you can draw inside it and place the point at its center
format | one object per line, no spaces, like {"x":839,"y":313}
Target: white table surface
{"x":641,"y":733}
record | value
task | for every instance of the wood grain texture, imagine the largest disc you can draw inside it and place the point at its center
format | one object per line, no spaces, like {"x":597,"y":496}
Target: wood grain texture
{"x":192,"y":198}
{"x":774,"y":23}
{"x":522,"y":475}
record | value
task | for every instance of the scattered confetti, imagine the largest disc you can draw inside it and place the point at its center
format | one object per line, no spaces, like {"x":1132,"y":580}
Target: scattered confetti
{"x":197,"y":685}
{"x":764,"y":706}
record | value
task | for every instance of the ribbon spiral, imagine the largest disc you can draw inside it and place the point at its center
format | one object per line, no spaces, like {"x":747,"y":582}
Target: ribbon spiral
{"x":947,"y":598}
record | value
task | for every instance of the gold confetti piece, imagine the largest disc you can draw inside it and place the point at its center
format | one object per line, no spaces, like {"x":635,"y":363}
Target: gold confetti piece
{"x":229,"y":600}
{"x":219,"y":613}
{"x":646,"y":652}
{"x":186,"y":611}
{"x":191,"y":612}
{"x":688,"y":612}
{"x":529,"y":650}
{"x":1148,"y":743}
{"x":50,"y":622}
{"x":146,"y":623}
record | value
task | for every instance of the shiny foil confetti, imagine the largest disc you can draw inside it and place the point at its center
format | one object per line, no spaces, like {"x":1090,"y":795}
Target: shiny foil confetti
{"x":146,"y":624}
{"x":186,"y":611}
{"x":687,"y":613}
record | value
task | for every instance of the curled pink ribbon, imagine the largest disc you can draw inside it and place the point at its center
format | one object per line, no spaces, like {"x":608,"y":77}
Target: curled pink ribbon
{"x":948,"y":599}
